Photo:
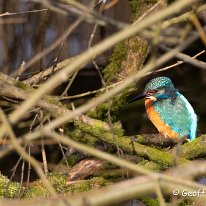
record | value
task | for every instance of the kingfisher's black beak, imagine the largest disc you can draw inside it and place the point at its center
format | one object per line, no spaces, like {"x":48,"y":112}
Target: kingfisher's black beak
{"x":139,"y":96}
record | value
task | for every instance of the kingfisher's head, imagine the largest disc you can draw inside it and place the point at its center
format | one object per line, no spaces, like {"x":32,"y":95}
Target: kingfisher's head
{"x":157,"y":89}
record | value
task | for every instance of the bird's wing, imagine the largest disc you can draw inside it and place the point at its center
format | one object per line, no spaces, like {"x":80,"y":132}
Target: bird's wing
{"x":177,"y":114}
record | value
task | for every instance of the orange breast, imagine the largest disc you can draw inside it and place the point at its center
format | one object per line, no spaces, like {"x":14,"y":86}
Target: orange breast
{"x":162,"y":127}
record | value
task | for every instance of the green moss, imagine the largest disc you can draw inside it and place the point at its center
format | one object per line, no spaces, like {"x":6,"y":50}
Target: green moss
{"x":85,"y":134}
{"x":150,"y":202}
{"x":134,"y":4}
{"x":53,"y":100}
{"x":94,"y":131}
{"x":101,"y":112}
{"x":186,"y":202}
{"x":195,"y":148}
{"x":86,"y":185}
{"x":98,"y":131}
{"x":59,"y":182}
{"x":71,"y":160}
{"x":136,"y":46}
{"x":138,"y":7}
{"x":8,"y":189}
{"x":117,"y":129}
{"x":23,"y":86}
{"x":37,"y":190}
{"x":140,"y":139}
{"x":127,"y":57}
{"x":163,"y":159}
{"x":150,"y":165}
{"x":118,"y":55}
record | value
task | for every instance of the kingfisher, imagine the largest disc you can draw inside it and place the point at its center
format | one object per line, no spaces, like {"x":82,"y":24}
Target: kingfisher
{"x":168,"y":109}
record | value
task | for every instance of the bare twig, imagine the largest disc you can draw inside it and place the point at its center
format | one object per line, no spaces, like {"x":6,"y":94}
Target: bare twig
{"x":40,"y":76}
{"x":159,"y":194}
{"x":192,"y":60}
{"x":91,"y":92}
{"x":186,"y":59}
{"x":110,"y":4}
{"x":22,"y":178}
{"x":68,"y":86}
{"x":198,"y":26}
{"x":22,"y":12}
{"x":156,"y":7}
{"x":183,"y":17}
{"x":44,"y":159}
{"x":29,"y":167}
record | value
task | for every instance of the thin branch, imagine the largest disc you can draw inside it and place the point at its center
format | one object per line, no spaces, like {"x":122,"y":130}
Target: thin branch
{"x":191,"y":60}
{"x":110,"y":4}
{"x":182,"y":18}
{"x":22,"y":12}
{"x":186,"y":59}
{"x":22,"y":178}
{"x":44,"y":159}
{"x":156,"y":7}
{"x":174,"y":65}
{"x":198,"y":26}
{"x":29,"y":167}
{"x":68,"y":86}
{"x":42,"y":75}
{"x":159,"y":194}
